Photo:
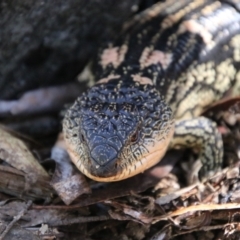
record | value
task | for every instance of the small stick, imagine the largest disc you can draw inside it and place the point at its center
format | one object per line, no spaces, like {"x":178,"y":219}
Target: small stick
{"x":15,"y":219}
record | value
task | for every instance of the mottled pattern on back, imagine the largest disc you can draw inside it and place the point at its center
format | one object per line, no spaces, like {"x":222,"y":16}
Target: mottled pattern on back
{"x":185,"y":52}
{"x":194,"y":57}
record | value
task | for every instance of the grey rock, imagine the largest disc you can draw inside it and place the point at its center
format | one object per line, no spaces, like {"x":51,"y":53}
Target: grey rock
{"x":46,"y":42}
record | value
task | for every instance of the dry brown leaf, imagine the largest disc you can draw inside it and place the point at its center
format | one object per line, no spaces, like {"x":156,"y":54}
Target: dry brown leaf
{"x":14,"y":183}
{"x":15,"y":152}
{"x":68,"y":182}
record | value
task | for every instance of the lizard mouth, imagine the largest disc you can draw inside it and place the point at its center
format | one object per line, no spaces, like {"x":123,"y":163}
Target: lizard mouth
{"x":112,"y":174}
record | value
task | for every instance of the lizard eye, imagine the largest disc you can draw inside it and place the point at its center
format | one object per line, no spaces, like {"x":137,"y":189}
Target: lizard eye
{"x":134,"y":137}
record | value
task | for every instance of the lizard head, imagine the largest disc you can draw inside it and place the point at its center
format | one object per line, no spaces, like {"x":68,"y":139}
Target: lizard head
{"x":117,"y":129}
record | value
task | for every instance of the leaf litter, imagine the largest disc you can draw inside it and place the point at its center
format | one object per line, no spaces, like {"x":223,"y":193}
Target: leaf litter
{"x":50,"y":199}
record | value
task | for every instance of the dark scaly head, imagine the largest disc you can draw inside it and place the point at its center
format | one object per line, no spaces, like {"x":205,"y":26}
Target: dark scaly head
{"x":117,"y":129}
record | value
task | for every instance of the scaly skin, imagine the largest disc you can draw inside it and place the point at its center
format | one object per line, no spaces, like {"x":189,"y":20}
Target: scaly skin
{"x":171,"y":62}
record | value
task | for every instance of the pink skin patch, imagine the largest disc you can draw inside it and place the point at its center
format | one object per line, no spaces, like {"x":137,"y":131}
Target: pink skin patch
{"x":149,"y":58}
{"x":110,"y":77}
{"x":141,"y":80}
{"x":109,"y":56}
{"x":194,"y":27}
{"x":113,"y":55}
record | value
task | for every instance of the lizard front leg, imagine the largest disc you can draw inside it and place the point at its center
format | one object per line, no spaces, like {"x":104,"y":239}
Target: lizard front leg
{"x":202,"y":134}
